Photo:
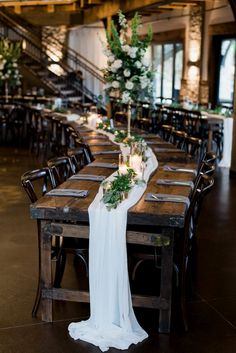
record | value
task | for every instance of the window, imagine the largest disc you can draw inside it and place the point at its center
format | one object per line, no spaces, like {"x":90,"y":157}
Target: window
{"x":168,"y":67}
{"x":226,"y":72}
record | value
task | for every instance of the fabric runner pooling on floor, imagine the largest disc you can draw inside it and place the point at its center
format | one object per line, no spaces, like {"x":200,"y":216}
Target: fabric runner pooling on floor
{"x":112,"y":321}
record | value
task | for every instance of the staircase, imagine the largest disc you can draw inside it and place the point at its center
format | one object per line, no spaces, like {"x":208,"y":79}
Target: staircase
{"x":58,"y":76}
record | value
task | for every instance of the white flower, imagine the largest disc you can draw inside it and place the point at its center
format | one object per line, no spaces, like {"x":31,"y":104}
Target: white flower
{"x":14,"y":64}
{"x":116,"y":65}
{"x":144,"y":81}
{"x":6,"y":76}
{"x":132,"y":52}
{"x":115,"y":84}
{"x":107,"y":85}
{"x":1,"y":66}
{"x":127,"y":73}
{"x":142,"y":52}
{"x":107,"y":52}
{"x":0,"y":56}
{"x":138,"y":64}
{"x":126,"y":48}
{"x":125,"y":97}
{"x":129,"y":85}
{"x":145,"y":61}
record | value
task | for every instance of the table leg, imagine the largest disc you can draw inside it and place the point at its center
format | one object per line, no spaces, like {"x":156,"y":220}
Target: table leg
{"x":166,"y":281}
{"x":46,"y":270}
{"x":210,"y":138}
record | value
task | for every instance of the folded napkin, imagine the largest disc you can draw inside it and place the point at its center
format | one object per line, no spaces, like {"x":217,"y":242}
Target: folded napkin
{"x":88,"y":177}
{"x":104,"y":165}
{"x":167,"y":198}
{"x":95,"y":137}
{"x":157,"y":142}
{"x":106,"y":152}
{"x":168,"y":168}
{"x":159,"y":149}
{"x":175,"y":182}
{"x":99,"y":144}
{"x":68,"y":192}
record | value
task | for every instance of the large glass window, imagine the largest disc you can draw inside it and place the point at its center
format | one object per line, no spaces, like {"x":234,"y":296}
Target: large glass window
{"x":226,"y":72}
{"x":168,"y":67}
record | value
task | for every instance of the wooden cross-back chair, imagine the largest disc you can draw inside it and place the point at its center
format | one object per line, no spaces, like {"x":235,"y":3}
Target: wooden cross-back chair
{"x":184,"y":242}
{"x":37,"y":183}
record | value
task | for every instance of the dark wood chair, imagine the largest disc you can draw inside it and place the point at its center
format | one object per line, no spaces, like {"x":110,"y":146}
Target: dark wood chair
{"x":77,"y":157}
{"x":62,"y":168}
{"x":36,"y":183}
{"x":185,"y":258}
{"x":184,"y":245}
{"x":193,"y":148}
{"x":178,"y":138}
{"x":166,"y":132}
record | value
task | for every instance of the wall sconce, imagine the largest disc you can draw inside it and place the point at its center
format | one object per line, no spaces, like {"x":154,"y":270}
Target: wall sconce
{"x":194,"y":51}
{"x":23,"y":45}
{"x":193,"y":73}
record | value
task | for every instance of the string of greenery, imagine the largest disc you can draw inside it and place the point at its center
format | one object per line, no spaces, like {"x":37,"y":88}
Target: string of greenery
{"x":119,"y":188}
{"x":120,"y":135}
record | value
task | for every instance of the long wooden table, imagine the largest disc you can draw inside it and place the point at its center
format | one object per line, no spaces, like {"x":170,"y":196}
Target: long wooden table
{"x":68,"y":217}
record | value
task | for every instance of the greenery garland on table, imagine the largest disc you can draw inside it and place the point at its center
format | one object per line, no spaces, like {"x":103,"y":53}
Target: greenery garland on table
{"x":120,"y":135}
{"x":119,"y":188}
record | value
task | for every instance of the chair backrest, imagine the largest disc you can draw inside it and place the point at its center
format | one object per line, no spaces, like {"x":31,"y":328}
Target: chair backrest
{"x":37,"y":182}
{"x":77,"y":158}
{"x":203,"y":187}
{"x":62,"y":168}
{"x":193,"y":146}
{"x":178,"y":138}
{"x":88,"y":157}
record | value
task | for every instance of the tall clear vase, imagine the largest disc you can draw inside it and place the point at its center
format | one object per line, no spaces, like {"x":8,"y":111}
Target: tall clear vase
{"x":128,"y":119}
{"x":6,"y":92}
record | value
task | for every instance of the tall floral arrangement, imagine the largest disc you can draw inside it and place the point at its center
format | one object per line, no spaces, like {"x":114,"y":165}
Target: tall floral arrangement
{"x":128,"y":74}
{"x":9,"y":55}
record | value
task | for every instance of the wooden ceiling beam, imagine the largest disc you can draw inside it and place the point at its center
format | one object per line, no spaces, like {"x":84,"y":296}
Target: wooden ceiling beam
{"x":35,"y":3}
{"x":112,"y":7}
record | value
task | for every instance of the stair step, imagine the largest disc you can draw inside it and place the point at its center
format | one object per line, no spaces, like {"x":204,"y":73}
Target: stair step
{"x":74,"y":99}
{"x":68,"y":92}
{"x":60,"y":86}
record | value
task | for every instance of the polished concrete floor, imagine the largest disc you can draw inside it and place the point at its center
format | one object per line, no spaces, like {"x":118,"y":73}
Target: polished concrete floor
{"x":212,"y":310}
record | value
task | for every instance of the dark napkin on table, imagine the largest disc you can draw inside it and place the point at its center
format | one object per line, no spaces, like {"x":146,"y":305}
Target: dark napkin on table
{"x":159,"y":149}
{"x":166,"y":198}
{"x":88,"y":177}
{"x":168,"y":168}
{"x":99,"y":144}
{"x":175,"y":182}
{"x":68,"y":192}
{"x":103,"y":165}
{"x":95,"y":137}
{"x":107,"y":152}
{"x":158,"y":143}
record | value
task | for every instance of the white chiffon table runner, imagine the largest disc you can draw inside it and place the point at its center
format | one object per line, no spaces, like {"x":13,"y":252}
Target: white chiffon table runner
{"x":112,"y":321}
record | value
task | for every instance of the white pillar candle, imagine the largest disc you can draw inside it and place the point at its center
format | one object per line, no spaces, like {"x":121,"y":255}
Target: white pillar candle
{"x":136,"y":163}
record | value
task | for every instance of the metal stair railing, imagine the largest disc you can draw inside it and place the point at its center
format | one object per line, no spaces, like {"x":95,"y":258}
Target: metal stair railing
{"x":42,"y":53}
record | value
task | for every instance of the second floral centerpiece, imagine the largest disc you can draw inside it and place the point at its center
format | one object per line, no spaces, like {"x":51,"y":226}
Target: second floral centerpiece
{"x":128,"y":74}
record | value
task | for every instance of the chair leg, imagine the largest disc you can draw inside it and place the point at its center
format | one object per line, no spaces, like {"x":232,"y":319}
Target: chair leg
{"x":82,"y":254}
{"x":183,"y":300}
{"x":37,"y":301}
{"x":60,"y":268}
